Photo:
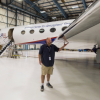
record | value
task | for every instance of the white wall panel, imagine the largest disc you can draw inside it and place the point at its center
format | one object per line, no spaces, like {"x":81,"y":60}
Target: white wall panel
{"x":32,"y":21}
{"x":21,"y":22}
{"x":18,"y":23}
{"x":37,"y":21}
{"x":25,"y":23}
{"x":11,"y":26}
{"x":27,"y":19}
{"x":2,"y":25}
{"x":3,"y":18}
{"x":20,"y":16}
{"x":11,"y":14}
{"x":3,"y":11}
{"x":11,"y":21}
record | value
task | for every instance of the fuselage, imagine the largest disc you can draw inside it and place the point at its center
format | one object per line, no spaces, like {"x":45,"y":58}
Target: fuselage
{"x":36,"y":33}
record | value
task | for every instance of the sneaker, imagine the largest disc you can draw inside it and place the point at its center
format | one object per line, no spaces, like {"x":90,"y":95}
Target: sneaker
{"x":49,"y":85}
{"x":42,"y":88}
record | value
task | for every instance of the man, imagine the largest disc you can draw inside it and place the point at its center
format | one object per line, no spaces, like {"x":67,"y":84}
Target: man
{"x":46,"y":60}
{"x":94,"y":49}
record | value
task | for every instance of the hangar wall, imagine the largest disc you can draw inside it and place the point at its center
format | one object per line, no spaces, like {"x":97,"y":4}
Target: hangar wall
{"x":8,"y":18}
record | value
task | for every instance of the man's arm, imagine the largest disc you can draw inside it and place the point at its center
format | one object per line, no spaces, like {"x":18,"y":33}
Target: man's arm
{"x":40,"y":59}
{"x":40,"y":53}
{"x":63,"y":46}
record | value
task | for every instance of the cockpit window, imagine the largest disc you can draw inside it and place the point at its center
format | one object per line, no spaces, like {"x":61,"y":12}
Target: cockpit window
{"x":23,"y":32}
{"x":41,"y":30}
{"x":64,"y":28}
{"x":52,"y":30}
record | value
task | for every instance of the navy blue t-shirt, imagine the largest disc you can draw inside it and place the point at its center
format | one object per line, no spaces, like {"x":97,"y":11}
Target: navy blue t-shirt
{"x":46,"y":52}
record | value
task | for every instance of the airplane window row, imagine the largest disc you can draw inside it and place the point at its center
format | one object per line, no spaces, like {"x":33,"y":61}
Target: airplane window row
{"x":42,"y":30}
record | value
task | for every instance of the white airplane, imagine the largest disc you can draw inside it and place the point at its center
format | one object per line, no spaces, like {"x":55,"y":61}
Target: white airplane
{"x":82,"y":33}
{"x":32,"y":34}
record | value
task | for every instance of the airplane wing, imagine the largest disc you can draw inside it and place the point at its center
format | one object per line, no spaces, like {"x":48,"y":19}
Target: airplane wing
{"x":84,"y":32}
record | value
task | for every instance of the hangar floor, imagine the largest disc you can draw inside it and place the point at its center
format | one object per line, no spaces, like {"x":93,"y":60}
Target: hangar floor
{"x":76,"y":77}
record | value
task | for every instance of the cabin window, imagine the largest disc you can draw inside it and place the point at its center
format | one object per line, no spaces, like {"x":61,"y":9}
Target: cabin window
{"x":31,"y":31}
{"x":23,"y":32}
{"x":64,"y":28}
{"x":52,"y":30}
{"x":41,"y":30}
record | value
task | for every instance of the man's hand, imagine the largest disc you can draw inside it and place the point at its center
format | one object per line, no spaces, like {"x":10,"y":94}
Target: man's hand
{"x":40,"y":62}
{"x":63,"y":45}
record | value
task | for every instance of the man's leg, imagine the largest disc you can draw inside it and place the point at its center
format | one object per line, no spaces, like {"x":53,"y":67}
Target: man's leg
{"x":48,"y":83}
{"x":42,"y":82}
{"x":42,"y":78}
{"x":48,"y":77}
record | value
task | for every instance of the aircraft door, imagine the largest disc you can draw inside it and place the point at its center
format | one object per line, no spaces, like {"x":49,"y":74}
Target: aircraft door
{"x":0,"y":47}
{"x":10,"y":34}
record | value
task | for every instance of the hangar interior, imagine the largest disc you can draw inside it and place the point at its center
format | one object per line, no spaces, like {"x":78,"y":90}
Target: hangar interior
{"x":26,"y":12}
{"x":76,"y":74}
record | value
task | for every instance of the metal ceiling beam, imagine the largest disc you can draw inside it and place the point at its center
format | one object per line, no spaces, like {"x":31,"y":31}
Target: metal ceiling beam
{"x":20,"y":9}
{"x":33,"y":3}
{"x":68,"y":16}
{"x":25,"y":11}
{"x":60,"y":8}
{"x":67,"y":5}
{"x":59,"y":3}
{"x":36,"y":8}
{"x":16,"y":18}
{"x":67,"y":10}
{"x":84,"y":3}
{"x":11,"y":1}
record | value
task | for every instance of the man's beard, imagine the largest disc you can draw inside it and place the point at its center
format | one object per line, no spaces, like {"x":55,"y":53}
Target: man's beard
{"x":49,"y":43}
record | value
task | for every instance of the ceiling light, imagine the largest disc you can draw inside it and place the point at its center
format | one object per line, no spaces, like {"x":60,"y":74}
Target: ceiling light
{"x":75,"y":6}
{"x":53,"y":17}
{"x":42,"y":11}
{"x":20,"y":0}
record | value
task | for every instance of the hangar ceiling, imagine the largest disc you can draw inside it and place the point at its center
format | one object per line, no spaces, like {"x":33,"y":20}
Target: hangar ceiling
{"x":51,"y":9}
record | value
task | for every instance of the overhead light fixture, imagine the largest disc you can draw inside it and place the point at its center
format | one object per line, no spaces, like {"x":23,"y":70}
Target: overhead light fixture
{"x":53,"y":17}
{"x":75,"y":6}
{"x":20,"y":0}
{"x":42,"y":11}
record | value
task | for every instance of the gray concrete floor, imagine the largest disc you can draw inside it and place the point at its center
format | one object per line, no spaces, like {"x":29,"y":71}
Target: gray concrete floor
{"x":76,"y":76}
